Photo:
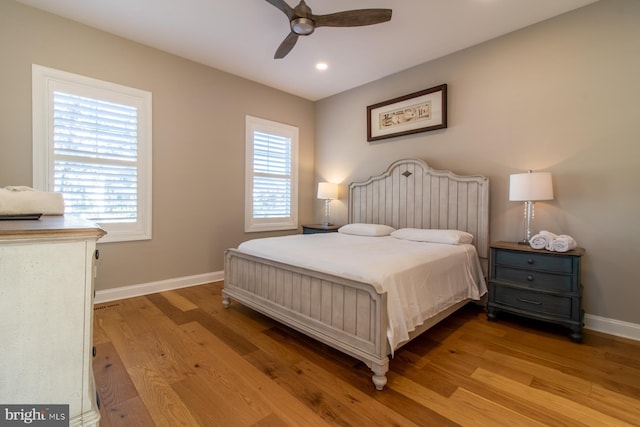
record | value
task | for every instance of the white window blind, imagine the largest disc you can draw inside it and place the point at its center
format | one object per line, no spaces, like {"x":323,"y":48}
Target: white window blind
{"x":95,"y":158}
{"x":271,"y":200}
{"x":92,"y":143}
{"x":271,"y":176}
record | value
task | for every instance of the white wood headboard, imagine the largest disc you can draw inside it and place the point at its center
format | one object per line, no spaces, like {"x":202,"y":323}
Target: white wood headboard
{"x":410,"y":194}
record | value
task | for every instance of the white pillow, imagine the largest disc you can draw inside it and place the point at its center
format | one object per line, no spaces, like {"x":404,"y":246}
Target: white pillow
{"x":451,"y":237}
{"x":373,"y":230}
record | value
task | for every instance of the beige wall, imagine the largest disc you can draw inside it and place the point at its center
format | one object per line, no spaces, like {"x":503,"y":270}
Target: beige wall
{"x":198,"y":137}
{"x":561,"y":96}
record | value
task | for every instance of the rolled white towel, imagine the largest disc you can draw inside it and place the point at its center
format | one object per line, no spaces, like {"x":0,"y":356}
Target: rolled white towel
{"x":563,"y":243}
{"x":542,"y":240}
{"x":23,"y":200}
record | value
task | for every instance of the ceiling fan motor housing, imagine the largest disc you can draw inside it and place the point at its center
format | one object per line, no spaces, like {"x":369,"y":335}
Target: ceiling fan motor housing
{"x":302,"y":26}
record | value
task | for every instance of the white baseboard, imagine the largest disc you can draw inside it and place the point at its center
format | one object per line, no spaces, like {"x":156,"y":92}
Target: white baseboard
{"x":153,"y":287}
{"x":612,"y":326}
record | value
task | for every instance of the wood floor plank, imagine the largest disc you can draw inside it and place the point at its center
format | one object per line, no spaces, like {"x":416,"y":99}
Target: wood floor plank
{"x":225,"y":333}
{"x":270,"y":421}
{"x":200,"y":391}
{"x":178,"y":348}
{"x":178,"y":301}
{"x":112,"y":380}
{"x":428,"y":377}
{"x":351,"y":371}
{"x":305,"y":389}
{"x":247,"y":322}
{"x":465,"y":408}
{"x":104,"y":416}
{"x":624,"y":359}
{"x":164,"y":405}
{"x":591,"y":367}
{"x":99,"y":335}
{"x":616,"y":404}
{"x":207,"y":298}
{"x":553,"y":403}
{"x":535,"y":372}
{"x":368,"y":411}
{"x":518,"y":403}
{"x":132,"y":412}
{"x":409,"y":408}
{"x":123,"y":333}
{"x":247,"y":379}
{"x":222,"y":380}
{"x":174,"y":313}
{"x":310,"y":348}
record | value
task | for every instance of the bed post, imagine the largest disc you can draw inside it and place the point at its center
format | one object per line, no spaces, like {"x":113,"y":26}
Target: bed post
{"x":380,"y":370}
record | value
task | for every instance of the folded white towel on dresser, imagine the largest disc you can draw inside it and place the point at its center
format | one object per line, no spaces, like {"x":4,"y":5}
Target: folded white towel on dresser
{"x":16,"y":200}
{"x":542,"y":240}
{"x":563,"y":243}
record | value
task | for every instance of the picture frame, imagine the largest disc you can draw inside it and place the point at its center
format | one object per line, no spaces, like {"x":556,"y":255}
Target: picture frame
{"x":421,"y":111}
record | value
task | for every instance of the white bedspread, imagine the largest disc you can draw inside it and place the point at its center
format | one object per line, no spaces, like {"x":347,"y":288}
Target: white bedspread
{"x":421,"y":279}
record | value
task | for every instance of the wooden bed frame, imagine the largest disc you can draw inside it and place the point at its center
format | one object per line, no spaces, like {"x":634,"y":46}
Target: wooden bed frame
{"x":349,"y":315}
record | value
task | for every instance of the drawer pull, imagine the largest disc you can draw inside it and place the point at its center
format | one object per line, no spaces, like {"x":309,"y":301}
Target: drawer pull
{"x":530,"y":278}
{"x":529,"y":261}
{"x":528,"y":301}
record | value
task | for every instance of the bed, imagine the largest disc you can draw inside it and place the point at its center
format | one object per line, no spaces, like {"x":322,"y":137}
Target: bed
{"x":353,"y":306}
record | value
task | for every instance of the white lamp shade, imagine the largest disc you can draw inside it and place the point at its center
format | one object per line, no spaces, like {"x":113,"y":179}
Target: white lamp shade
{"x":327,"y":191}
{"x":530,"y":186}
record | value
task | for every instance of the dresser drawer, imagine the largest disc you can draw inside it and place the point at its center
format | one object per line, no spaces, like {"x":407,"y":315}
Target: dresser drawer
{"x":532,"y":301}
{"x":535,"y":279}
{"x":534,"y":261}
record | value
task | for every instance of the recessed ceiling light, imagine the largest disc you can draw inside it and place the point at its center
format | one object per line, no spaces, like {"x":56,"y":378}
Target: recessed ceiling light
{"x":321,"y":66}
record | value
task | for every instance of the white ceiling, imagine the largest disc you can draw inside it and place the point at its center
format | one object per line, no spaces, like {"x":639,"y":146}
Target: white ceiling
{"x":241,"y":36}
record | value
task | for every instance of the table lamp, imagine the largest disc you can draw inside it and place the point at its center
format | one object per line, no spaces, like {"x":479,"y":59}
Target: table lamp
{"x":327,"y":191}
{"x":529,"y":188}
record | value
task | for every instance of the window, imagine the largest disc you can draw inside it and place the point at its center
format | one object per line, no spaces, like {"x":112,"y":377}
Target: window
{"x":271,"y":182}
{"x":92,"y":143}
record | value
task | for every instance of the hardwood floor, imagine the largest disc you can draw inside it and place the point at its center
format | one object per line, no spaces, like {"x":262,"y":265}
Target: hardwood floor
{"x":179,"y":358}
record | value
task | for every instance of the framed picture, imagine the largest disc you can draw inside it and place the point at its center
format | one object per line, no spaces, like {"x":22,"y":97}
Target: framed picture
{"x":417,"y":112}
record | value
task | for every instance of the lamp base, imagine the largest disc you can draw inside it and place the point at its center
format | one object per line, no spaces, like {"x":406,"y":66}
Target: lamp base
{"x":529,"y":215}
{"x":327,"y":213}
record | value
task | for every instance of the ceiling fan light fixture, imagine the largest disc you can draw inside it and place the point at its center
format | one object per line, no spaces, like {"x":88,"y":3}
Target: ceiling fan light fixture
{"x":302,"y":26}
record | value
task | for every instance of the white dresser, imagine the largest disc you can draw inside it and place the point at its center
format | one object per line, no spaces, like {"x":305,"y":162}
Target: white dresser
{"x":46,"y":314}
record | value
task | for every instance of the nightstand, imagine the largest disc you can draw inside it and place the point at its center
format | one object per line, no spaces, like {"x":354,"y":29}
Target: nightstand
{"x":536,"y":283}
{"x":319,"y":228}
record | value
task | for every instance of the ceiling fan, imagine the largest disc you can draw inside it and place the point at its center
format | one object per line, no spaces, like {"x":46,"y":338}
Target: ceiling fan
{"x":303,"y":22}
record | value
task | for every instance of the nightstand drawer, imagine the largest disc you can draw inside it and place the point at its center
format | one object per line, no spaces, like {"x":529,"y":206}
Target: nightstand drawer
{"x":533,"y":261}
{"x":532,"y":301}
{"x":535,"y":279}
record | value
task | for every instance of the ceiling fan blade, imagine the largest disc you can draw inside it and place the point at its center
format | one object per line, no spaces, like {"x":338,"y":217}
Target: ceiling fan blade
{"x":284,"y":7}
{"x":353,"y":18}
{"x":285,"y":47}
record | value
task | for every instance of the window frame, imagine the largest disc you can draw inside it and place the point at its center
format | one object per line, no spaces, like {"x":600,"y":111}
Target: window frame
{"x":45,"y":81}
{"x":256,"y":124}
